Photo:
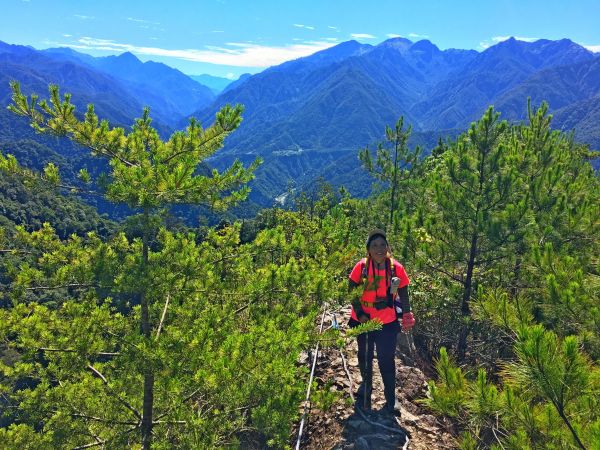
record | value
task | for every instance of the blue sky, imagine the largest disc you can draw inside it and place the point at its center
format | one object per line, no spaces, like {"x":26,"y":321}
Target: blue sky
{"x":230,"y":37}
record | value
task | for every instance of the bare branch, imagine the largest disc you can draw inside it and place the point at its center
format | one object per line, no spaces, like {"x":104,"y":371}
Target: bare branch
{"x":445,"y":272}
{"x":190,"y":396}
{"x":3,"y":250}
{"x":63,"y":286}
{"x":99,"y":419}
{"x":115,"y":394}
{"x":70,"y":350}
{"x":93,"y":444}
{"x":173,"y":422}
{"x":162,"y":319}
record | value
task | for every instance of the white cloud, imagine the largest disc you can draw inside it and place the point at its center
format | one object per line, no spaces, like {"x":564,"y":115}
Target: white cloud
{"x":334,"y":28}
{"x":518,"y":38}
{"x":362,"y":36}
{"x":217,"y":31}
{"x":415,"y":35}
{"x":132,"y":19}
{"x":331,"y":39}
{"x":593,"y":48}
{"x":308,"y":27}
{"x":484,"y":45}
{"x":393,"y":35}
{"x":67,"y":35}
{"x":82,"y":17}
{"x":243,"y":54}
{"x":230,"y":76}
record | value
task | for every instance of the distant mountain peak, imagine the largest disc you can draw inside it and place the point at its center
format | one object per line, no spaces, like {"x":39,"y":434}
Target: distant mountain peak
{"x":398,"y":39}
{"x":128,"y":57}
{"x":399,"y":43}
{"x":424,"y":45}
{"x":329,"y":55}
{"x":544,"y":47}
{"x":344,"y":49}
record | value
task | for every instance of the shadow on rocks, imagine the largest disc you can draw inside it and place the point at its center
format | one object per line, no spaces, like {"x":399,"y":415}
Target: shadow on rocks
{"x":358,"y":434}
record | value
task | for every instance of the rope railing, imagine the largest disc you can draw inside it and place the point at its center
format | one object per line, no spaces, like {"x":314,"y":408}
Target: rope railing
{"x":312,"y":374}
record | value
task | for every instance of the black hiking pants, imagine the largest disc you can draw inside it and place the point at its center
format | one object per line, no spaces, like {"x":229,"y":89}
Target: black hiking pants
{"x":384,"y":341}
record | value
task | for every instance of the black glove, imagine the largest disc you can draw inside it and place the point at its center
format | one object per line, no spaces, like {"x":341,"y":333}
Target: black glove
{"x":360,"y":312}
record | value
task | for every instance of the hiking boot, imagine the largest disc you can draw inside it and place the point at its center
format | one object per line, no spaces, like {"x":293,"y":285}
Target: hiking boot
{"x":392,"y":409}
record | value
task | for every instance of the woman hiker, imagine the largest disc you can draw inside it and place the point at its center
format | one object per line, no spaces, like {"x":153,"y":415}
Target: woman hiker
{"x":379,"y":275}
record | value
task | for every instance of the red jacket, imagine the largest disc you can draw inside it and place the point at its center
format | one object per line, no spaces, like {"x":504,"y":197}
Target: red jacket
{"x":369,"y":296}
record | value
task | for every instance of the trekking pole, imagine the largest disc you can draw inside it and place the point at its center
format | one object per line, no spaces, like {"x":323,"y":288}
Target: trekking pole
{"x":395,"y":282}
{"x":312,"y":374}
{"x":366,"y":372}
{"x":410,"y":341}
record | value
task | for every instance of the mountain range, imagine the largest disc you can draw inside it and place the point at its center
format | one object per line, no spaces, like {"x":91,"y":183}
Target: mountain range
{"x":340,"y":99}
{"x":118,"y":86}
{"x":308,"y":117}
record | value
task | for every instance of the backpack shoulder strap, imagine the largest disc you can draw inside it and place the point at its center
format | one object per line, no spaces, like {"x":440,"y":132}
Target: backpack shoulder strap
{"x":365,"y":268}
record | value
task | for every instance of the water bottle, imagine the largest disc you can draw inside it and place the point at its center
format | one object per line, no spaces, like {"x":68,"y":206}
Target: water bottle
{"x":394,"y":286}
{"x":394,"y":291}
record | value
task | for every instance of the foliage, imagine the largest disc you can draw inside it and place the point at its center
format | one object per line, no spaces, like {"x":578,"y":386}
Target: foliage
{"x":498,"y":230}
{"x":28,"y":199}
{"x":550,"y":396}
{"x":393,"y":167}
{"x":447,"y":396}
{"x":504,"y":239}
{"x":146,"y":173}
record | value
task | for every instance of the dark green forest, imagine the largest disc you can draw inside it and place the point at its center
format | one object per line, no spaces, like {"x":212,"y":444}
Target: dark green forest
{"x":150,"y":332}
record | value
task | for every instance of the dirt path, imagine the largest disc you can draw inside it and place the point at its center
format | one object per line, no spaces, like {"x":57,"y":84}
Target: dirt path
{"x":341,"y":428}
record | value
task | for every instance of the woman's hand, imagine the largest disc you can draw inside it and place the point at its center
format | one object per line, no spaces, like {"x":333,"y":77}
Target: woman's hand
{"x":408,"y":321}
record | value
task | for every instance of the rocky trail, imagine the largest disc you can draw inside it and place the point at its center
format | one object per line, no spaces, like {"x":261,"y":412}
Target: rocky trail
{"x":341,"y":428}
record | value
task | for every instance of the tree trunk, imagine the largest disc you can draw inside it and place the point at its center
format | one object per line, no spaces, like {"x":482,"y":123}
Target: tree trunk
{"x":148,"y":401}
{"x":147,"y":409}
{"x":465,"y":310}
{"x":394,"y":181}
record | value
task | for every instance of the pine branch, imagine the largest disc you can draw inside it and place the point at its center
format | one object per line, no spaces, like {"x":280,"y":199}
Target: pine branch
{"x":182,"y":152}
{"x":445,"y":272}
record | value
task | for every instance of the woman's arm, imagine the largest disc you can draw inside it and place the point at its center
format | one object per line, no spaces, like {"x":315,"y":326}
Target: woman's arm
{"x":404,"y":300}
{"x":361,"y":315}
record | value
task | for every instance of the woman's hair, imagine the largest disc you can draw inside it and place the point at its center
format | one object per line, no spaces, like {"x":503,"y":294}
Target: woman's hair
{"x":375,"y":234}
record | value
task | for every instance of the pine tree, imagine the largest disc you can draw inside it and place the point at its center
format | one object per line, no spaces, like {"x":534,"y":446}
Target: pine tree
{"x":479,"y":209}
{"x":392,"y":166}
{"x":147,"y":174}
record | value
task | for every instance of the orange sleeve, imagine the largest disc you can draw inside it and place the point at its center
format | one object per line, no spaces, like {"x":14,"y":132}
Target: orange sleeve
{"x":356,"y":274}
